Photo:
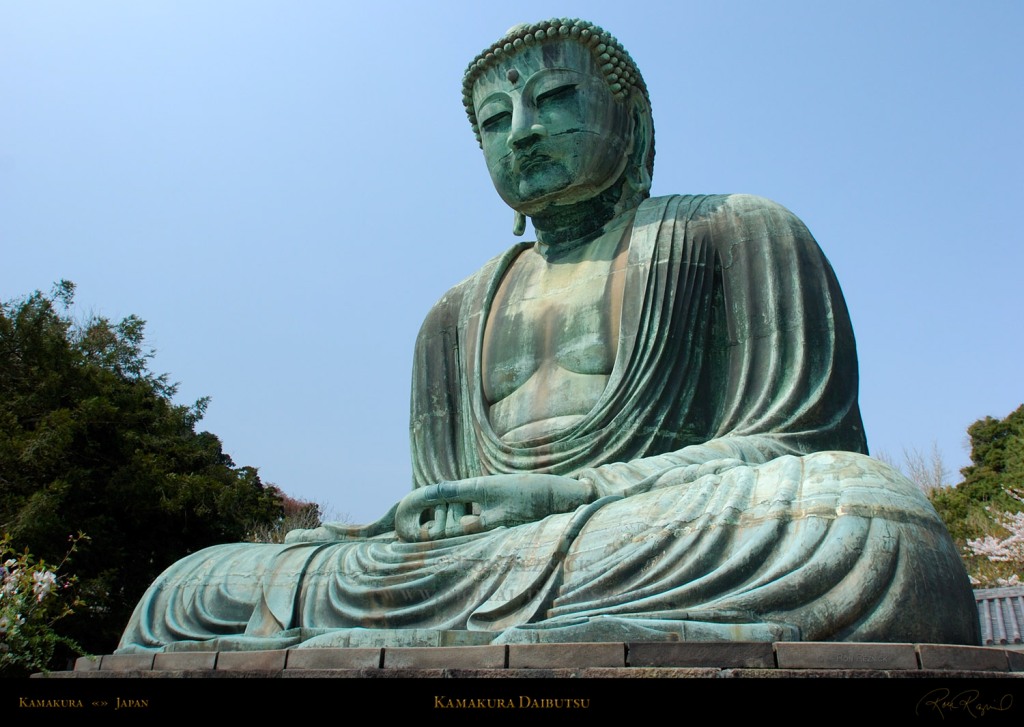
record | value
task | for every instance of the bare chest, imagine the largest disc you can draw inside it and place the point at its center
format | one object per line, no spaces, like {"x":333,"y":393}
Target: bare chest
{"x":551,"y":337}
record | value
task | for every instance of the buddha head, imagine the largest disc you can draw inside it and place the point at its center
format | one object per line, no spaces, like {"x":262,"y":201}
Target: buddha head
{"x":562,"y":115}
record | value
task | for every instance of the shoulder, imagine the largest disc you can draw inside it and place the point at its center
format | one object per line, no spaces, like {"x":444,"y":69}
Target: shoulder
{"x":750,"y":210}
{"x":744,"y":227}
{"x":737,"y":212}
{"x":444,"y":314}
{"x":737,"y":218}
{"x":738,"y":209}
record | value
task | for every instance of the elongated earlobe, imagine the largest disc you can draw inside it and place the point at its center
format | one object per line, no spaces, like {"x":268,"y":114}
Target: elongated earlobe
{"x":518,"y":224}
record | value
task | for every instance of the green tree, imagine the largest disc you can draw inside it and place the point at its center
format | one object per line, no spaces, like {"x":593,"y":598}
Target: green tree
{"x":92,"y":441}
{"x":992,"y":484}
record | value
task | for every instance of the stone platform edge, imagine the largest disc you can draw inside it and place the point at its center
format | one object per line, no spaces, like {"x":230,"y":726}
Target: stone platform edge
{"x":620,"y":659}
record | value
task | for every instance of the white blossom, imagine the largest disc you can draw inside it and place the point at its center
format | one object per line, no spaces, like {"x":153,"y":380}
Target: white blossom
{"x":43,"y":583}
{"x":1009,"y":549}
{"x":1003,"y":550}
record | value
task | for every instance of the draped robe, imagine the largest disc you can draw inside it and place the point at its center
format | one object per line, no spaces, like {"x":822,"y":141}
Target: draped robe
{"x":734,"y":497}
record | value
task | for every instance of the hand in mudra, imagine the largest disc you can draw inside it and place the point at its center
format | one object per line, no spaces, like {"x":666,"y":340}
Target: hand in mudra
{"x":464,"y":507}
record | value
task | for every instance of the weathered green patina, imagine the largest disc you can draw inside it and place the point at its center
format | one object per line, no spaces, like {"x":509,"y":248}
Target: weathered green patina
{"x":642,"y":426}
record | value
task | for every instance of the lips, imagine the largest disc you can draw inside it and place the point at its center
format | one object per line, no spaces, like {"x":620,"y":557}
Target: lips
{"x":525,"y":163}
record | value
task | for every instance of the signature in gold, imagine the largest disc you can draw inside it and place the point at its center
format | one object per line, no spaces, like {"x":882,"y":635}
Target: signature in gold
{"x":969,"y":702}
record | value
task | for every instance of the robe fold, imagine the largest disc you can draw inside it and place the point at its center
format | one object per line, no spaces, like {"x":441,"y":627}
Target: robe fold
{"x":735,"y":500}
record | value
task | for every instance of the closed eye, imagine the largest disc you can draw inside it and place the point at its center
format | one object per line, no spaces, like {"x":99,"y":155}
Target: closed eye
{"x":496,"y":122}
{"x":557,"y":94}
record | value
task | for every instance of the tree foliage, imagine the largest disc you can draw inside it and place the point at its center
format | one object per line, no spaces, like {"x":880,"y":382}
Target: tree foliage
{"x":981,"y":508}
{"x":91,"y":441}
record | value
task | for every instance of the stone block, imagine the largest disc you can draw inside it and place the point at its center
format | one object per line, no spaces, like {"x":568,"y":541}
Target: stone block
{"x":652,"y":672}
{"x":1016,"y":659}
{"x":185,"y":661}
{"x":446,"y":657}
{"x":534,"y":673}
{"x":380,"y":638}
{"x":968,"y":658}
{"x":87,"y":663}
{"x":317,"y":674}
{"x":723,"y":655}
{"x":271,"y":660}
{"x":566,"y":656}
{"x":333,"y":659}
{"x":844,"y":656}
{"x":127,"y":662}
{"x":787,"y":674}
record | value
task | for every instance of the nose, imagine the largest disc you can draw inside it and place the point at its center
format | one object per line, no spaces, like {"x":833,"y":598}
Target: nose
{"x":524,"y":129}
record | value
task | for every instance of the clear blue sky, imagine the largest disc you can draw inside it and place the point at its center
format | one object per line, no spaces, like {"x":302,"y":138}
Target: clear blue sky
{"x":283,"y":189}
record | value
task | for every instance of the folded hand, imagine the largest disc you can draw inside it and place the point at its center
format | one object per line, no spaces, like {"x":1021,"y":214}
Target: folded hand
{"x":464,"y":507}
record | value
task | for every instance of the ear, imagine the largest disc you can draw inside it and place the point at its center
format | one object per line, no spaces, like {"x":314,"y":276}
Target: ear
{"x":642,"y":154}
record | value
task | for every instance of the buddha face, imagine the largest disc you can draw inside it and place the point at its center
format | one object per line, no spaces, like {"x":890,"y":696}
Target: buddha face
{"x":552,"y":133}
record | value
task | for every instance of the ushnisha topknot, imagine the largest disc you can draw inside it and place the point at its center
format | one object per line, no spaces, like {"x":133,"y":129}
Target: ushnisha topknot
{"x":618,"y":67}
